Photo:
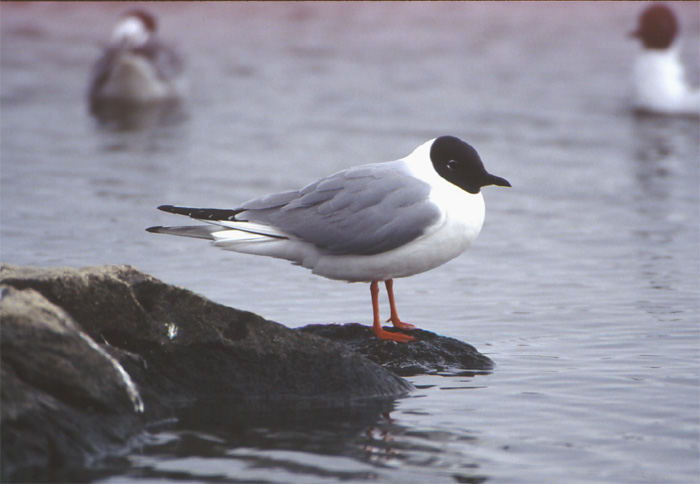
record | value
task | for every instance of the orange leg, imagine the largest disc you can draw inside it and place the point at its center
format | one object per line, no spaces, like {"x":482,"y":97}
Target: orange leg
{"x":377,"y":324}
{"x":395,"y":320}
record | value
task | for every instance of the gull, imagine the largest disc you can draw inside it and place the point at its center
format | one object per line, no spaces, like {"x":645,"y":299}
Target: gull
{"x":659,"y":77}
{"x":370,"y":223}
{"x":136,"y":68}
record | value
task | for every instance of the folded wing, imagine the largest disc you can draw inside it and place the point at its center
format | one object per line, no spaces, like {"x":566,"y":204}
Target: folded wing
{"x":365,"y":210}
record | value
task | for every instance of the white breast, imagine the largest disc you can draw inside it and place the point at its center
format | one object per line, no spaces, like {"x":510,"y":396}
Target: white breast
{"x":660,"y":84}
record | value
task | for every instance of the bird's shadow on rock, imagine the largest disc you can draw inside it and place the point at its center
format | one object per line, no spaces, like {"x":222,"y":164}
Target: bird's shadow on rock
{"x":430,"y":353}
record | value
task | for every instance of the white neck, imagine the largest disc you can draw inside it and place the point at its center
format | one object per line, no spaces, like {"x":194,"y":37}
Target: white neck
{"x":420,"y":164}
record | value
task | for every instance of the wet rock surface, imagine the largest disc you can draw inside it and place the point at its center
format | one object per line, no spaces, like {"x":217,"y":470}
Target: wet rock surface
{"x":92,"y":356}
{"x":429,"y":353}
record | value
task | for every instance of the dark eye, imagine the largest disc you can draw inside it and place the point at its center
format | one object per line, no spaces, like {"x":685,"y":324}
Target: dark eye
{"x":452,"y":165}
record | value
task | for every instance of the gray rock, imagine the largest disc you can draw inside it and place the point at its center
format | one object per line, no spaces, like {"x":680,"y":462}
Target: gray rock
{"x":429,"y":353}
{"x":90,"y":356}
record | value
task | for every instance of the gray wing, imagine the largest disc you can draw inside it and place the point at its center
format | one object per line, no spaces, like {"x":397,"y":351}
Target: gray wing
{"x":362,"y":211}
{"x":165,"y":59}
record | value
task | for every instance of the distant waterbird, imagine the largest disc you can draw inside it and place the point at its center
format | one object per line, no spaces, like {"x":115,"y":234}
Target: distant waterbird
{"x":136,"y":67}
{"x":660,"y":84}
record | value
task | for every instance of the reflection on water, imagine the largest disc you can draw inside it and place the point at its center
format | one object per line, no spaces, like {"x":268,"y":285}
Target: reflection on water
{"x":124,"y":116}
{"x":222,"y":443}
{"x":666,"y":148}
{"x":662,"y":144}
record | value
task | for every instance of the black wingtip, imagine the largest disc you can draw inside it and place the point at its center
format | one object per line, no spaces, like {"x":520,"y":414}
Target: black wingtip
{"x":155,"y":230}
{"x":201,"y":213}
{"x":187,"y":211}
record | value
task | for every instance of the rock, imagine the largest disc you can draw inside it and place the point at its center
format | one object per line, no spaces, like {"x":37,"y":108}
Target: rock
{"x":90,"y":356}
{"x":430,"y":353}
{"x":62,"y":395}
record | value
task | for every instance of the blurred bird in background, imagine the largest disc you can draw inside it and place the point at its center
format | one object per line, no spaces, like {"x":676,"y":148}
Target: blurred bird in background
{"x":136,"y":69}
{"x":660,"y":83}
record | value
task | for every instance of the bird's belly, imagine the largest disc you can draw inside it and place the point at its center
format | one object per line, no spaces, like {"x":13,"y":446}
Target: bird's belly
{"x":133,"y":78}
{"x":445,"y":241}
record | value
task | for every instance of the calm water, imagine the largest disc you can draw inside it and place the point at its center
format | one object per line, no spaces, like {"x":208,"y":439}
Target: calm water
{"x":583,"y":287}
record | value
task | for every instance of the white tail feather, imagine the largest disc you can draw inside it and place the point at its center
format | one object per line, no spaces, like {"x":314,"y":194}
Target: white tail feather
{"x":194,"y":231}
{"x":251,"y":228}
{"x":223,"y":237}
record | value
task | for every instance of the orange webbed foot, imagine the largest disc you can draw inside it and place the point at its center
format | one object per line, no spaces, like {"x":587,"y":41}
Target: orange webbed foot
{"x":398,"y":324}
{"x":387,"y":335}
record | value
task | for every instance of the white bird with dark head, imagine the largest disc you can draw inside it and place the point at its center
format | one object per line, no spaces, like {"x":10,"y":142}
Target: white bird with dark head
{"x":660,"y":82}
{"x":370,"y":223}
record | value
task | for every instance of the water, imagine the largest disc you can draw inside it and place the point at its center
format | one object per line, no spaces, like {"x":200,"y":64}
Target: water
{"x":583,"y":286}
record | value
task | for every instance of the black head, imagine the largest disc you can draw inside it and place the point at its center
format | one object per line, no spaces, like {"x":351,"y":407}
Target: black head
{"x":657,"y":27}
{"x":148,"y":20}
{"x":460,"y":164}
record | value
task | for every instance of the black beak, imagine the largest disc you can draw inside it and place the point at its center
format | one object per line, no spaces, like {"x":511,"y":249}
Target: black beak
{"x":498,"y":181}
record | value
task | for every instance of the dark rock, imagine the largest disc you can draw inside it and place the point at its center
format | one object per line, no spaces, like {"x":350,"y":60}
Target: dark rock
{"x":90,"y":356}
{"x":62,"y":396}
{"x":429,"y":353}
